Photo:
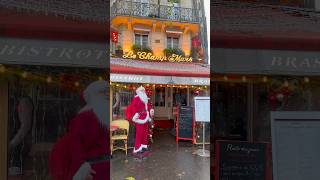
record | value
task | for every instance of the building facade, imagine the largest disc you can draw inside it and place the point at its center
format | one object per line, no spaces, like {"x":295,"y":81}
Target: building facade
{"x":158,"y":44}
{"x":158,"y":26}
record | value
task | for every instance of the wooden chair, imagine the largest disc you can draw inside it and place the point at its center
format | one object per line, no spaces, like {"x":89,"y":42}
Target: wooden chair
{"x":121,"y":134}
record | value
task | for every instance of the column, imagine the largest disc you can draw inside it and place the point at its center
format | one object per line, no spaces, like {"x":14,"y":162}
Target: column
{"x":3,"y":128}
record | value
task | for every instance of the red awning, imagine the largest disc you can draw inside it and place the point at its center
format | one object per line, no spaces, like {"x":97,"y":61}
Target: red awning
{"x":127,"y":66}
{"x":27,"y":25}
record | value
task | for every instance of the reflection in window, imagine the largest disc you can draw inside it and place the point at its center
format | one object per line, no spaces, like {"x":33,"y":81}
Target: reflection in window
{"x":160,"y":96}
{"x":179,"y":97}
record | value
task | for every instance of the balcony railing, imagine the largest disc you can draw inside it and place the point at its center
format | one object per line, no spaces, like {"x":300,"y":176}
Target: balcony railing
{"x":130,"y":8}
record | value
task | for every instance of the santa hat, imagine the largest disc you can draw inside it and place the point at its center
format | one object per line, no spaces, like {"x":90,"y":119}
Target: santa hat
{"x":141,"y":88}
{"x":94,"y":88}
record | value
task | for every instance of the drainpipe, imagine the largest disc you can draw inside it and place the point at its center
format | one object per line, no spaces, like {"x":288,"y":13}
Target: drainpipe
{"x":159,"y":8}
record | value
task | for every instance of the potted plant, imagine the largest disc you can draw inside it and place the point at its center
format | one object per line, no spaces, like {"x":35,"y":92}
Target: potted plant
{"x":153,"y":16}
{"x":147,"y":50}
{"x":168,"y":52}
{"x":136,"y":48}
{"x":119,"y":51}
{"x":174,"y":1}
{"x":178,"y":51}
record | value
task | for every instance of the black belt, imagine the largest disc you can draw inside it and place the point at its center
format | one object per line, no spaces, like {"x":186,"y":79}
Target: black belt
{"x":98,"y":159}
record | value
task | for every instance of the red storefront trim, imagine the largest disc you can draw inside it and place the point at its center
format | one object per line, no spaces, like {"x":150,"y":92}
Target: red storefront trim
{"x":25,"y":25}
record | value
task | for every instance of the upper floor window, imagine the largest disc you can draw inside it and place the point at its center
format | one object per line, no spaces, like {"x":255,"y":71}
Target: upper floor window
{"x":141,"y":39}
{"x":173,"y":42}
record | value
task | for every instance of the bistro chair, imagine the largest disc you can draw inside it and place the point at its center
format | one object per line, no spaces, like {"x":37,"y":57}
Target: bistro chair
{"x":119,"y":132}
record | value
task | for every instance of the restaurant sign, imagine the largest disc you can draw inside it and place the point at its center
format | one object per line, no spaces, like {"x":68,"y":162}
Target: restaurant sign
{"x":56,"y":53}
{"x":151,"y":57}
{"x":266,"y":61}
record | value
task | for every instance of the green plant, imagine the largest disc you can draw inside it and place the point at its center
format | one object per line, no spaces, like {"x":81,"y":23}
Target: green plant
{"x":169,"y":51}
{"x":174,"y":1}
{"x":119,"y":47}
{"x":136,"y":48}
{"x":147,"y":49}
{"x":178,"y":51}
{"x":153,"y":15}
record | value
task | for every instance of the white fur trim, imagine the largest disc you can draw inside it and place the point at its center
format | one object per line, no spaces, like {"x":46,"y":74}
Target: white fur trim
{"x":85,"y":108}
{"x":137,"y":150}
{"x":144,"y":146}
{"x":82,"y":172}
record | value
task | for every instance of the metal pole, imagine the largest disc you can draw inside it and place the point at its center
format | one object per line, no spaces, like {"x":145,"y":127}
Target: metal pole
{"x":203,"y":132}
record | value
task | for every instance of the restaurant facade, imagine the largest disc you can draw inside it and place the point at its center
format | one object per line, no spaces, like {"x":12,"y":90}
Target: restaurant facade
{"x":275,"y":68}
{"x":157,"y":44}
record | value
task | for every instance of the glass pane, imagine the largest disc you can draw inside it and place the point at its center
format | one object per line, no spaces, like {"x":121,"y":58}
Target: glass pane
{"x":38,"y":115}
{"x":175,"y":43}
{"x":169,"y":42}
{"x":121,"y":99}
{"x":137,"y":39}
{"x":145,"y":40}
{"x":160,"y":97}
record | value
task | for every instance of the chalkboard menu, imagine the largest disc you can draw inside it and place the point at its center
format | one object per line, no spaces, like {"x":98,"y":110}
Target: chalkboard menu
{"x":184,"y":128}
{"x":241,"y":161}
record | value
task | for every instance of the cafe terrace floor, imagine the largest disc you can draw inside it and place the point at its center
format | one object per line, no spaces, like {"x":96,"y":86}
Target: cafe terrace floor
{"x":167,"y":161}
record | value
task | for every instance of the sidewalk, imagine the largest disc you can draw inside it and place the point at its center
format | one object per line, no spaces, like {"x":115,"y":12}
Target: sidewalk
{"x":166,"y":162}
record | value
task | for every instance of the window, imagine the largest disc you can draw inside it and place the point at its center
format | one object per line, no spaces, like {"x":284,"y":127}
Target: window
{"x":141,"y":39}
{"x":172,"y":42}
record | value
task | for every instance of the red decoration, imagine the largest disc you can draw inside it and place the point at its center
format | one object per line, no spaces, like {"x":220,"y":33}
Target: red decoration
{"x":285,"y":91}
{"x":196,"y":42}
{"x":68,"y":81}
{"x":148,"y":91}
{"x":114,"y":37}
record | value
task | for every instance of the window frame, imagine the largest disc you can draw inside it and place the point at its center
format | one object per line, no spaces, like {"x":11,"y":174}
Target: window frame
{"x":141,"y":39}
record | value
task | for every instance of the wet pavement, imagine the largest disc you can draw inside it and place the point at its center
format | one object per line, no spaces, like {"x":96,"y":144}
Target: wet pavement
{"x":168,"y":161}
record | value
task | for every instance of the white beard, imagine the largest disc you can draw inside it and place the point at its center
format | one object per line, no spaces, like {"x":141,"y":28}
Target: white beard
{"x":143,"y":97}
{"x":100,"y":106}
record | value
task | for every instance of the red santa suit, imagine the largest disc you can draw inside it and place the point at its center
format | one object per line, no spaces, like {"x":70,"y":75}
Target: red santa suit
{"x":89,"y":141}
{"x":87,"y":144}
{"x":142,"y":114}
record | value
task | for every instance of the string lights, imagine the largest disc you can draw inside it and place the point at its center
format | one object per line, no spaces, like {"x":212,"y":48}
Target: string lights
{"x":132,"y":86}
{"x":66,"y":80}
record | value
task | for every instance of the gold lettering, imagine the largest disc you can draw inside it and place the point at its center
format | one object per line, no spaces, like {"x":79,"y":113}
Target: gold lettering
{"x":149,"y":56}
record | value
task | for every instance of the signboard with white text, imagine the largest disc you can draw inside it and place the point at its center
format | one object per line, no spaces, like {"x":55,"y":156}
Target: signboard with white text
{"x":202,"y":109}
{"x":52,"y":53}
{"x":133,"y":78}
{"x":252,"y":61}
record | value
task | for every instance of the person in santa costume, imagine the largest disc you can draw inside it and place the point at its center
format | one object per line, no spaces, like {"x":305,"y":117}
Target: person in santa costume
{"x":86,"y":144}
{"x":140,"y":113}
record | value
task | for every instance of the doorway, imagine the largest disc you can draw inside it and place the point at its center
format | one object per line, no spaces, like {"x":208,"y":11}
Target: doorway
{"x":162,"y":100}
{"x":231,"y":112}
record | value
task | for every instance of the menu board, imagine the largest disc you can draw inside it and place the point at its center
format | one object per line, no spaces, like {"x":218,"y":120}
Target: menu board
{"x":296,"y":145}
{"x":202,"y":109}
{"x":237,"y":160}
{"x":185,"y":123}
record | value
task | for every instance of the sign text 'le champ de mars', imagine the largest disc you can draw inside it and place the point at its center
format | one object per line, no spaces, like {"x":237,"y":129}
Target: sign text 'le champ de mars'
{"x":149,"y":56}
